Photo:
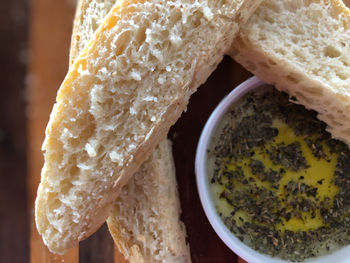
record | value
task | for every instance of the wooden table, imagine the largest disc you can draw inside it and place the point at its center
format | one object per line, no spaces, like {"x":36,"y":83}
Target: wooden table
{"x":50,"y":30}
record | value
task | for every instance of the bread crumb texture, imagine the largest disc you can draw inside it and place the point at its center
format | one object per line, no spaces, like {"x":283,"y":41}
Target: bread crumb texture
{"x":93,"y":15}
{"x":303,"y":47}
{"x":118,"y":100}
{"x":145,"y":219}
{"x":148,"y":206}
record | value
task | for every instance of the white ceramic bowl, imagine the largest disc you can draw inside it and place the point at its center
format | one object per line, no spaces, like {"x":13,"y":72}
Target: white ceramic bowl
{"x":203,"y":185}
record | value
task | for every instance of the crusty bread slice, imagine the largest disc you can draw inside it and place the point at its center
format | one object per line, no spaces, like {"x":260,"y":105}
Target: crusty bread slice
{"x":347,"y":2}
{"x":120,"y":97}
{"x":144,"y":221}
{"x":303,"y":47}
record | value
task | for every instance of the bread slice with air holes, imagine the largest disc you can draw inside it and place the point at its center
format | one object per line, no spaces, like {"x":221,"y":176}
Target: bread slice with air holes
{"x":117,"y":102}
{"x":145,"y":218}
{"x":303,"y":48}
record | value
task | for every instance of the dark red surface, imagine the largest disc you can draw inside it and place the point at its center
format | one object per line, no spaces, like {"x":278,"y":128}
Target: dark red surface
{"x":14,"y":230}
{"x":204,"y":243}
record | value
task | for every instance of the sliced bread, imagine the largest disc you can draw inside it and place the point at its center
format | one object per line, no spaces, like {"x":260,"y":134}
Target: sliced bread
{"x":303,"y":48}
{"x":144,"y":220}
{"x":120,"y":97}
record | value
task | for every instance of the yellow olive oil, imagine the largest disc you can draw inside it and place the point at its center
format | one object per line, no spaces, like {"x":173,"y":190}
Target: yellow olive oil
{"x":279,"y":180}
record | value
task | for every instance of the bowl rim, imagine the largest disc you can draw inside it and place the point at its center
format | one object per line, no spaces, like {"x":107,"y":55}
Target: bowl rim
{"x":203,"y":186}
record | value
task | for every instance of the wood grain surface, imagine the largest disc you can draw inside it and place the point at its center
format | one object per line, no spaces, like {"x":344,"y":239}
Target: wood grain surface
{"x":50,"y":30}
{"x":49,"y":41}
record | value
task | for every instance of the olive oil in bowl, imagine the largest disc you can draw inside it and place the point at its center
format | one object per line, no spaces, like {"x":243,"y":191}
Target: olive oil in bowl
{"x":279,"y":181}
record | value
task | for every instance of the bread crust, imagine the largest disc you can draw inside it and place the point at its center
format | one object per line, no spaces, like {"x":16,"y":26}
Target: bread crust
{"x":85,"y":169}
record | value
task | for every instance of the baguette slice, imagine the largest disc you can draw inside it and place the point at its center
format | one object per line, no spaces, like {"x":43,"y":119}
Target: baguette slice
{"x":303,"y":48}
{"x":120,"y":97}
{"x":144,"y":221}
